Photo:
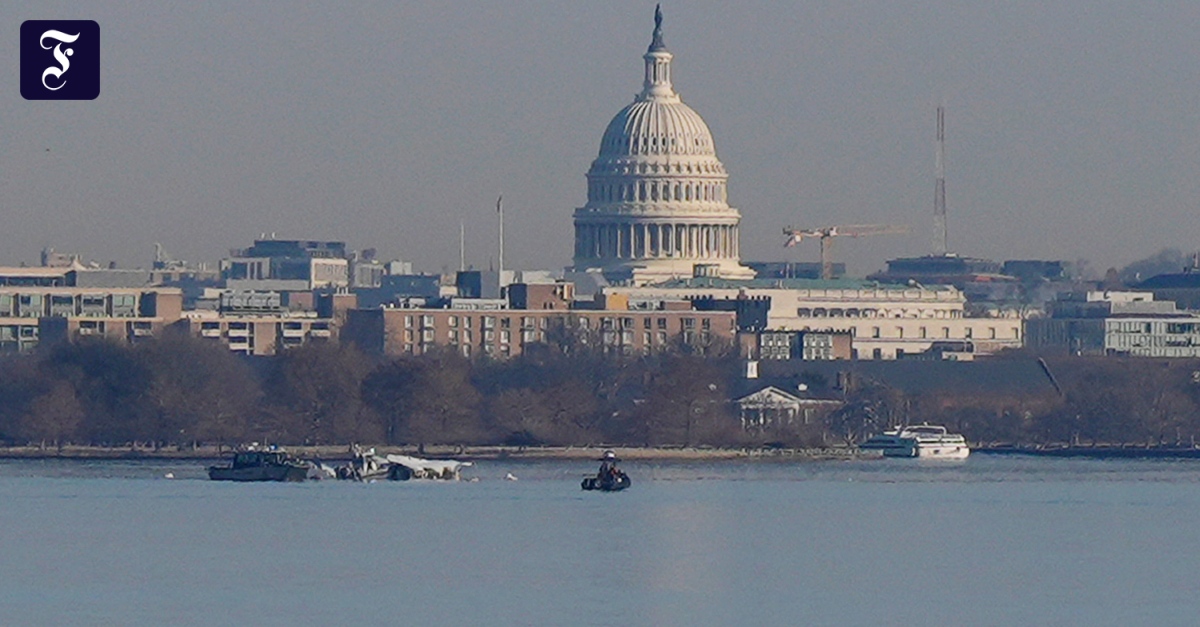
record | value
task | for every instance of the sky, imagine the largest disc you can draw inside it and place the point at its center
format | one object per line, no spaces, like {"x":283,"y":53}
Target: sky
{"x":1072,"y":127}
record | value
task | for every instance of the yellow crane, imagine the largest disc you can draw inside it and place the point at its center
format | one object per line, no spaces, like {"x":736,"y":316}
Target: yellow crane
{"x":826,"y":235}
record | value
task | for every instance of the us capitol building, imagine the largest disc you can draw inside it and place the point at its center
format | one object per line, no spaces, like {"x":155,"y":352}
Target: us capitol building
{"x":656,"y":202}
{"x":658,"y":228}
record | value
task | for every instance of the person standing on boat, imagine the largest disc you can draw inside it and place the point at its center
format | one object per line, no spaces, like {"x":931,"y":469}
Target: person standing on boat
{"x":608,"y":466}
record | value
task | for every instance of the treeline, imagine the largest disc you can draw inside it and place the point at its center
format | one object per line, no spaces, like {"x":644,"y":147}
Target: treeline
{"x":183,"y":391}
{"x":180,"y":391}
{"x":1099,"y":401}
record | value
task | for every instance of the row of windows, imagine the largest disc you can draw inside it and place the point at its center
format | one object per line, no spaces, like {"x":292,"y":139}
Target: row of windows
{"x":668,"y":168}
{"x":854,"y":312}
{"x":13,"y":332}
{"x":465,"y":350}
{"x":653,"y":190}
{"x":968,"y":333}
{"x":467,"y":322}
{"x":1173,"y":328}
{"x":652,"y":144}
{"x":1120,"y":340}
{"x":541,"y":322}
{"x":215,"y":325}
{"x":38,"y":305}
{"x":490,"y":337}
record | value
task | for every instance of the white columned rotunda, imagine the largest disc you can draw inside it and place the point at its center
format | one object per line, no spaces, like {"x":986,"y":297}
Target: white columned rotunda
{"x":656,"y":206}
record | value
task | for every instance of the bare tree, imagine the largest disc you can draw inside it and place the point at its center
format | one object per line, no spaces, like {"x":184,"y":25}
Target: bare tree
{"x":320,"y":385}
{"x":54,"y":416}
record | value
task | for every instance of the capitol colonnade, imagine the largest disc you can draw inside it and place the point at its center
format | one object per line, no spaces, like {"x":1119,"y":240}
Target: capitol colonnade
{"x":653,"y":240}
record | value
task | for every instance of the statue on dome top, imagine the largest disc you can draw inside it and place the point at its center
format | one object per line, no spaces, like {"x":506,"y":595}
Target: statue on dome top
{"x":657,"y":42}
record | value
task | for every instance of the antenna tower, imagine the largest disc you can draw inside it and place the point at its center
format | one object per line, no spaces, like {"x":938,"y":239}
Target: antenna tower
{"x":500,"y":262}
{"x":939,"y":192}
{"x":462,"y":246}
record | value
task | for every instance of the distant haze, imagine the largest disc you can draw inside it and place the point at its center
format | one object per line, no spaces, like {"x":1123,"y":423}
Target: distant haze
{"x":1073,"y":128}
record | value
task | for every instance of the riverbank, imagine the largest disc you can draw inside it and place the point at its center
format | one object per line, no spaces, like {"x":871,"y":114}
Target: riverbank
{"x":342,"y":452}
{"x":1097,"y":451}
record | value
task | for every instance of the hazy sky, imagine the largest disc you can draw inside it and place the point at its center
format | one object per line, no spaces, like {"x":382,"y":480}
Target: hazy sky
{"x":1073,"y":128}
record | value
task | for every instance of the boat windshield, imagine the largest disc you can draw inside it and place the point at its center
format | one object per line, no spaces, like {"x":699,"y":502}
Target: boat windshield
{"x":247,"y":459}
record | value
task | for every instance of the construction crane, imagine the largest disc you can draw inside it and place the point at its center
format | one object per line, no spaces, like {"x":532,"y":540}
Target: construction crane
{"x":826,"y":235}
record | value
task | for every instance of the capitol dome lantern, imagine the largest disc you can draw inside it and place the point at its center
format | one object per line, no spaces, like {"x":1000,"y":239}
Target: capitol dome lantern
{"x":656,"y":199}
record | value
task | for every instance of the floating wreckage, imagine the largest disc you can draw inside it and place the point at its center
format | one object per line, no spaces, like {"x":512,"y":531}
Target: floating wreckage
{"x":369,"y":466}
{"x":275,"y":464}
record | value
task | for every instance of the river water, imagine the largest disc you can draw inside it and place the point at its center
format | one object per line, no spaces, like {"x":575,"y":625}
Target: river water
{"x":995,"y":540}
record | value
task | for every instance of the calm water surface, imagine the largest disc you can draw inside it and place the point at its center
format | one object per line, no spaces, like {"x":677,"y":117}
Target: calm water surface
{"x":992,"y":541}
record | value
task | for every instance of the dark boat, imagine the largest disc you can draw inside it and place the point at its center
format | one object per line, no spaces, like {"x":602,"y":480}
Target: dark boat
{"x":261,"y":466}
{"x":611,"y":483}
{"x":609,"y":478}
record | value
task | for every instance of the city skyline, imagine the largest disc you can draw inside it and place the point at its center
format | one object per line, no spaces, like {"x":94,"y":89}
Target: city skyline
{"x":1068,"y":128}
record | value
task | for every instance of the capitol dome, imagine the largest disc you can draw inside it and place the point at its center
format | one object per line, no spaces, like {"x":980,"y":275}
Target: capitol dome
{"x":656,"y":206}
{"x":657,"y":126}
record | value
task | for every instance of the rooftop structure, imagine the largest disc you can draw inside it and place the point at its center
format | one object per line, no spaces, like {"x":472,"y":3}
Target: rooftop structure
{"x":287,"y":265}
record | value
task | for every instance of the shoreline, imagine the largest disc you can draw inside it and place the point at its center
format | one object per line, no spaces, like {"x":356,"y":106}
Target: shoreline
{"x":465,"y":453}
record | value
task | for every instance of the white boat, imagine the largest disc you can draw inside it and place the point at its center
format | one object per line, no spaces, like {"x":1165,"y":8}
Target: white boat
{"x":924,"y":441}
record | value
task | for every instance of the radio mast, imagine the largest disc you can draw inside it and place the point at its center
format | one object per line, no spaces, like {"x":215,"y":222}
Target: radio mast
{"x":462,"y":246}
{"x":500,"y":261}
{"x":939,"y":192}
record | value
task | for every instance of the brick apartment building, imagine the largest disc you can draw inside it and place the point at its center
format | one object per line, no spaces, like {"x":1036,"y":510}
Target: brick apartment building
{"x":506,"y":332}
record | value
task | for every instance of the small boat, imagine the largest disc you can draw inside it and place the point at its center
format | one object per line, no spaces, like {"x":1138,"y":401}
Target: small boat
{"x":609,"y":478}
{"x":923,"y":441}
{"x":261,"y":466}
{"x":613,"y":483}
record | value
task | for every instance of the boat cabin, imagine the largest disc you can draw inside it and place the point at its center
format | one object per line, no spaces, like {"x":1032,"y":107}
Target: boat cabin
{"x":254,"y":459}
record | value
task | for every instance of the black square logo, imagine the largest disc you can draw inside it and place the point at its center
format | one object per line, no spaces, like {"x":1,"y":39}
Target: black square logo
{"x":60,"y":60}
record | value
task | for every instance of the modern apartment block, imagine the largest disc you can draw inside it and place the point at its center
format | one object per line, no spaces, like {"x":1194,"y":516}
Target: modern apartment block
{"x":32,"y":315}
{"x":1116,"y":323}
{"x":258,"y":334}
{"x":261,"y":323}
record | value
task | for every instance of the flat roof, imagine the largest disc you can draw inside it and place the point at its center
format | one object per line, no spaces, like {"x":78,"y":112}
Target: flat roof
{"x":33,"y":271}
{"x":789,"y":284}
{"x":73,"y":289}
